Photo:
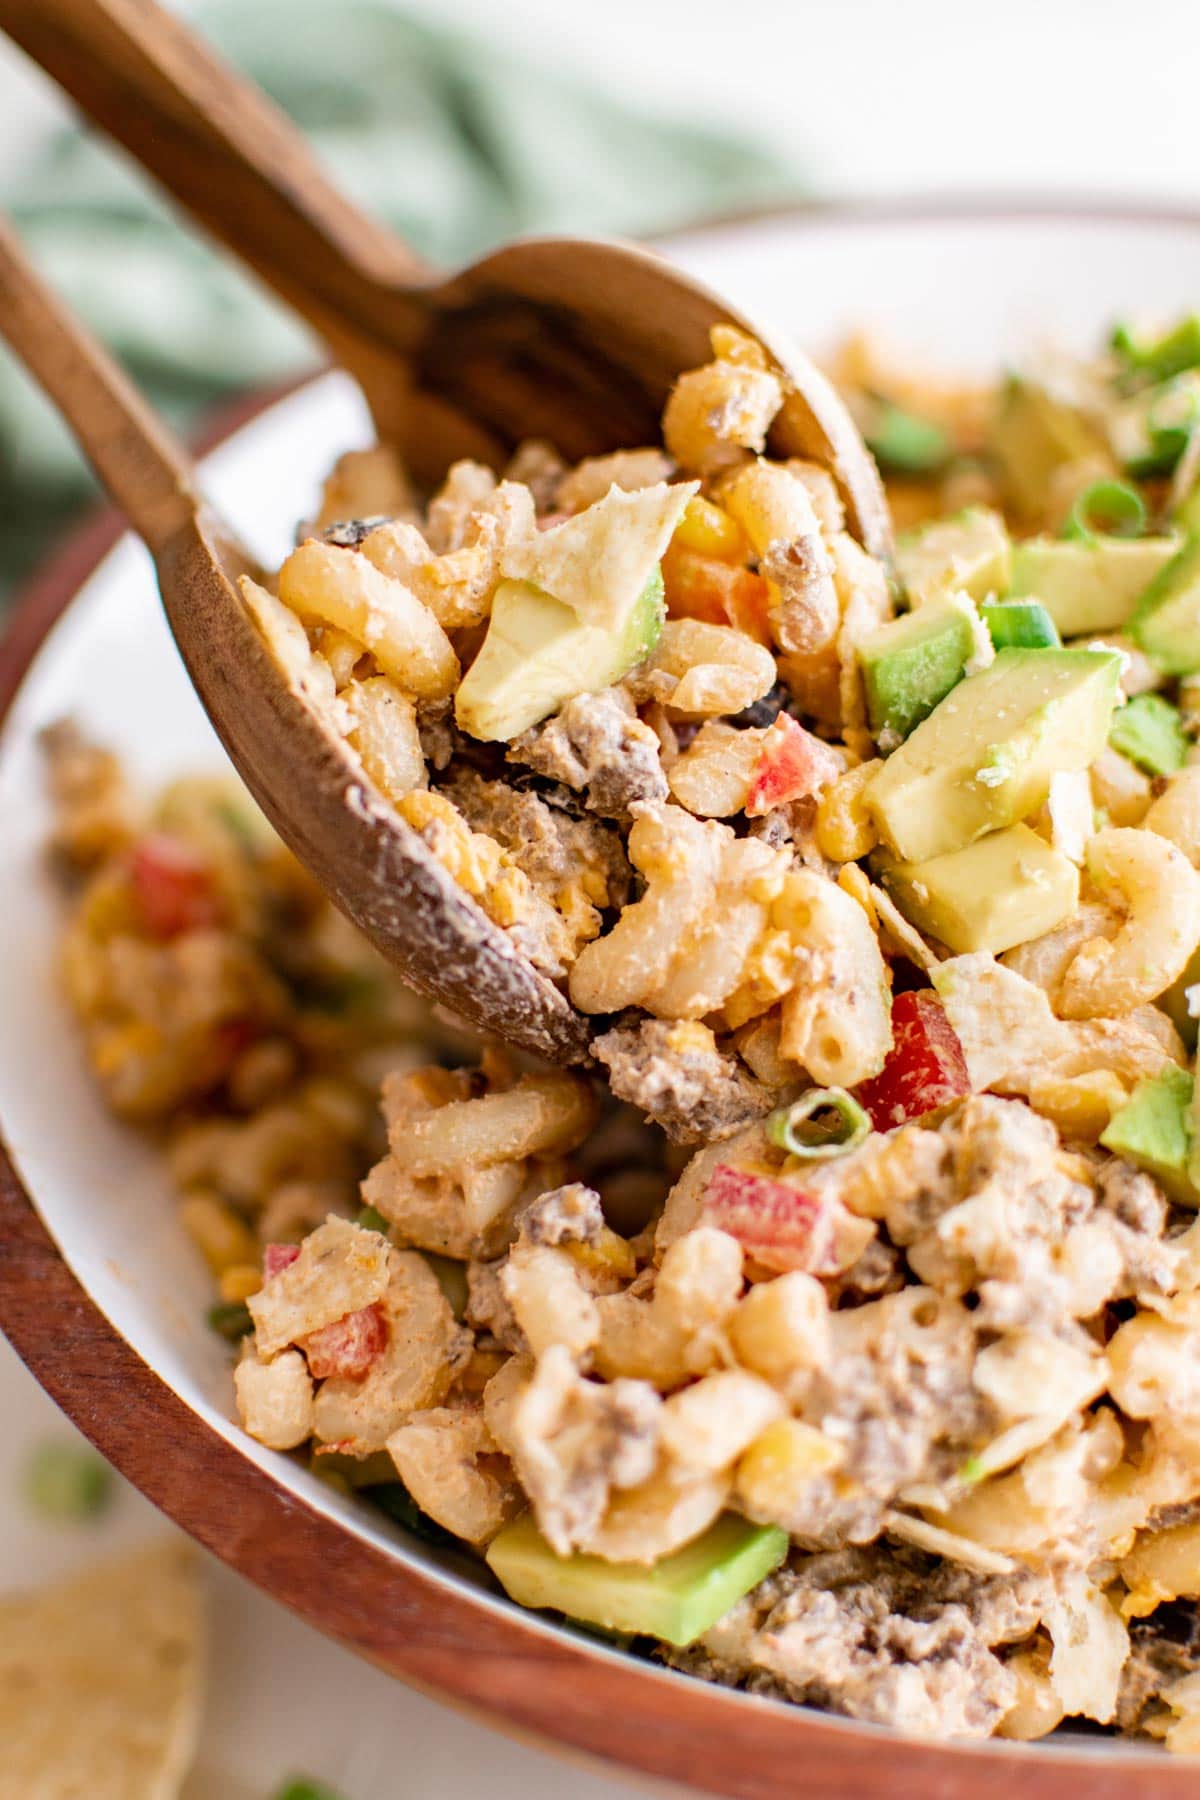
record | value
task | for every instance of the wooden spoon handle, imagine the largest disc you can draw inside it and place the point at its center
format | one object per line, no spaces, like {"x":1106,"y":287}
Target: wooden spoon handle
{"x":225,"y":152}
{"x":146,"y":470}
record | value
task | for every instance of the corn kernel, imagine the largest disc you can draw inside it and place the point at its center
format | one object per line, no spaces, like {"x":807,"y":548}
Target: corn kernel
{"x":1081,"y":1106}
{"x":709,"y":530}
{"x":689,"y":1036}
{"x":223,"y":1240}
{"x":239,"y":1281}
{"x":845,"y":832}
{"x":781,"y":1459}
{"x":608,"y":1254}
{"x":107,"y":906}
{"x":111,"y":1049}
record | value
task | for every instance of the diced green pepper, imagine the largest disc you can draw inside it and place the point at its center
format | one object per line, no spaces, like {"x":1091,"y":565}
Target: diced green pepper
{"x":371,"y":1219}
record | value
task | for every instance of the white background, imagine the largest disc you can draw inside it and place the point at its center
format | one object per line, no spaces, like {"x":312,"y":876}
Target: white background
{"x":1095,"y":96}
{"x":870,"y":97}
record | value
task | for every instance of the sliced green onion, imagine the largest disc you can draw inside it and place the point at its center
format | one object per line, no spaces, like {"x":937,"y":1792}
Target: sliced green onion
{"x":231,"y":1320}
{"x":1020,"y":625}
{"x":68,"y":1483}
{"x":905,"y":442}
{"x":1169,"y":416}
{"x":1107,"y":509}
{"x":1177,"y":350}
{"x":1170,"y":424}
{"x":303,"y":1789}
{"x":802,"y":1131}
{"x":371,"y":1219}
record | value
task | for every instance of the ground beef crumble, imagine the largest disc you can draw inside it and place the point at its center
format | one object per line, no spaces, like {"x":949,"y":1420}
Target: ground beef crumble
{"x":1162,"y":1648}
{"x":597,"y":743}
{"x":695,"y":1093}
{"x":883,"y":1633}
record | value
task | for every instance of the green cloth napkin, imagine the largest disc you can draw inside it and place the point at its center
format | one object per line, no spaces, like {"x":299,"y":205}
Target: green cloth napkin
{"x":450,"y":137}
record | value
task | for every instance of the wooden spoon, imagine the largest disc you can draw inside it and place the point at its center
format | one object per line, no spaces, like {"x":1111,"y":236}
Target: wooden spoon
{"x":572,"y":339}
{"x":375,"y":866}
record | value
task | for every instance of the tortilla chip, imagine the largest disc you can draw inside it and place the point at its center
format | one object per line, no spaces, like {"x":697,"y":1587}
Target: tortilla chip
{"x":100,"y":1681}
{"x":599,"y":561}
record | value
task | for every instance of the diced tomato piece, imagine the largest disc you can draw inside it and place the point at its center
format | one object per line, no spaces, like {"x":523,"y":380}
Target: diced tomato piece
{"x":925,"y":1069}
{"x":776,"y":1223}
{"x":793,"y":765}
{"x":173,"y":887}
{"x":715,"y":592}
{"x":277,"y":1257}
{"x":348,"y":1346}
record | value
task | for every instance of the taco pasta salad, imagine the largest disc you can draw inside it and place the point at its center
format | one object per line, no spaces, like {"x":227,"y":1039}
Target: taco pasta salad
{"x":836,"y":1335}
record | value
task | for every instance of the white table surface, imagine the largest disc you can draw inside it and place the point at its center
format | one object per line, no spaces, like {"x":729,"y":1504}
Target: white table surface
{"x":1075,"y":96}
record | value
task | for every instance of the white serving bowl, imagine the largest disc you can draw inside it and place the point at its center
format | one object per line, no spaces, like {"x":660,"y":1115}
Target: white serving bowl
{"x":961,"y":288}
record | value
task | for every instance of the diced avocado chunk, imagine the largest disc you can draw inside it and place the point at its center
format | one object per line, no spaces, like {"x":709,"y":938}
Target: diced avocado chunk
{"x":1035,"y":434}
{"x":1088,"y":586}
{"x":1149,"y":731}
{"x":1003,"y":890}
{"x":1176,"y":1005}
{"x":1020,"y":625}
{"x":986,"y":756}
{"x":969,"y":553}
{"x":1153,"y":1131}
{"x":1167,"y":622}
{"x":537,"y":656}
{"x":911,"y":663}
{"x":677,"y":1598}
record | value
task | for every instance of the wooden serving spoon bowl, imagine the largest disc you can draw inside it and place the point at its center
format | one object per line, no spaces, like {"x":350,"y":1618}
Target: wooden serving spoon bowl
{"x":572,"y":339}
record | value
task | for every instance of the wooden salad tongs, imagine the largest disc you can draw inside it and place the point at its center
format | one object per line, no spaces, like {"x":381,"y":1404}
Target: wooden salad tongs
{"x":573,"y":339}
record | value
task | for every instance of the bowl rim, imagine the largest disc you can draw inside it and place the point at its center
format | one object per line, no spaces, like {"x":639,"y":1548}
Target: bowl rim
{"x":496,"y":1662}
